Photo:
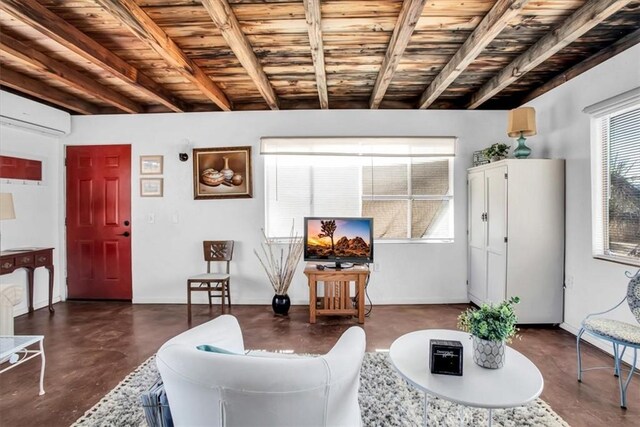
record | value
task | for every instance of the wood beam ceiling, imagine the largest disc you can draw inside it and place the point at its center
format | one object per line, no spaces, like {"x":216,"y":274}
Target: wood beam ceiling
{"x":355,"y":34}
{"x":407,"y":20}
{"x":65,"y":74}
{"x":143,"y":27}
{"x":491,"y":25}
{"x":621,"y":45}
{"x":314,"y":24}
{"x":581,"y":21}
{"x":226,"y":21}
{"x":41,"y":90}
{"x":51,"y":25}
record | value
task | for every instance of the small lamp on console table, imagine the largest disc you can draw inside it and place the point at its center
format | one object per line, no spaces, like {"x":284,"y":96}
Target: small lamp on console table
{"x":522,"y":122}
{"x":6,"y":206}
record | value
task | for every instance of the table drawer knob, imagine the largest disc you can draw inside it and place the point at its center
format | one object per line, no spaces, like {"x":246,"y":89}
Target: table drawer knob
{"x":25,"y":259}
{"x":7,"y":265}
{"x":42,"y":258}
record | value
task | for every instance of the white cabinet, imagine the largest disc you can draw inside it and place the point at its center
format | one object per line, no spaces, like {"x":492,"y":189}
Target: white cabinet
{"x":516,"y":236}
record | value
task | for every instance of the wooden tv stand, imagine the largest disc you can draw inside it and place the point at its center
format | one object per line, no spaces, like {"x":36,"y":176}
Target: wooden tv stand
{"x":336,"y":299}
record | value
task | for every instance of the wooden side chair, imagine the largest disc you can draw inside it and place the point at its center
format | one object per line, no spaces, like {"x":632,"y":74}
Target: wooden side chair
{"x":215,"y":284}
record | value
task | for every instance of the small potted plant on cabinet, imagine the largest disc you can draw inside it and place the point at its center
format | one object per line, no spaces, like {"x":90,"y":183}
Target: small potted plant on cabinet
{"x":496,"y":152}
{"x":490,"y":326}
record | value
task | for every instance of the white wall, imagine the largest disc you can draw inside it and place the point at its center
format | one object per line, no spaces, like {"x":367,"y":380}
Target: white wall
{"x":37,"y":220}
{"x":564,"y":132}
{"x":165,"y":254}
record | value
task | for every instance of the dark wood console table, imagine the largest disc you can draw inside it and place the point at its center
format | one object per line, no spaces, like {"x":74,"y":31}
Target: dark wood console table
{"x":336,"y":299}
{"x":29,"y":259}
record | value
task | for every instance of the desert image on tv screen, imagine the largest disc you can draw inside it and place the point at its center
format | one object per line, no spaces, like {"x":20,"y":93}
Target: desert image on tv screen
{"x":344,"y":238}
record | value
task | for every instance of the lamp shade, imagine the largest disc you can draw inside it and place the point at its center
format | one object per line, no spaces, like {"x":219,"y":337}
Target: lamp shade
{"x":6,"y":206}
{"x":522,"y":121}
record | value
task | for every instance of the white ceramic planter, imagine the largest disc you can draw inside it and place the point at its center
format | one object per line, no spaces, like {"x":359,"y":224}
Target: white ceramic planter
{"x":488,"y":354}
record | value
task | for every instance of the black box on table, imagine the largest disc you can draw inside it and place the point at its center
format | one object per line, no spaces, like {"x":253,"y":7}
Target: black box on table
{"x":446,"y":357}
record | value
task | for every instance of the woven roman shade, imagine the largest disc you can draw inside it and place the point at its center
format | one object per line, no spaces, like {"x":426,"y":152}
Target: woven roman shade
{"x":356,"y":146}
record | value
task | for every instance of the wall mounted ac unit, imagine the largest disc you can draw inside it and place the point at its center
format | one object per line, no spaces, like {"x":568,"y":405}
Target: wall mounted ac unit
{"x":24,"y":114}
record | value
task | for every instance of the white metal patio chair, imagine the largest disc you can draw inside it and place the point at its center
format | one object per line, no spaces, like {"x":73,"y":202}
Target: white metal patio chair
{"x":622,"y":335}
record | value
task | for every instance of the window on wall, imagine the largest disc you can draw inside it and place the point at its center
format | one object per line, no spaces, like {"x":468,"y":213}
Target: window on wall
{"x":616,"y":179}
{"x":406,"y":185}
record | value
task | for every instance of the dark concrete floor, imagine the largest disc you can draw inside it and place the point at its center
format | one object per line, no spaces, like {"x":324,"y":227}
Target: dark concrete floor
{"x":91,"y":346}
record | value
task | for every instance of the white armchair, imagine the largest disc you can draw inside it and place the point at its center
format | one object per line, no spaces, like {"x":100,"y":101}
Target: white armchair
{"x":214,"y":389}
{"x":10,"y":295}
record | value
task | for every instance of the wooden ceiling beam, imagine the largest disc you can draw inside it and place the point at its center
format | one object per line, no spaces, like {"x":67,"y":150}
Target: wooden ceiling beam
{"x":65,"y":74}
{"x":226,"y":21}
{"x":581,"y":21}
{"x":491,"y":25}
{"x":142,"y":26}
{"x":38,"y":17}
{"x":619,"y":46}
{"x":314,"y":24}
{"x":407,"y":20}
{"x":40,"y":90}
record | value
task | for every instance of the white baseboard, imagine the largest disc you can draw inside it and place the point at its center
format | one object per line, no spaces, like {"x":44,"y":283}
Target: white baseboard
{"x":602,"y":345}
{"x":416,"y":301}
{"x":261,"y":301}
{"x":36,"y":305}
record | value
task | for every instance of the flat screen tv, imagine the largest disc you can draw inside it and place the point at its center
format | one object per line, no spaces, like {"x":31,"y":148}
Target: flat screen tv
{"x":341,"y":241}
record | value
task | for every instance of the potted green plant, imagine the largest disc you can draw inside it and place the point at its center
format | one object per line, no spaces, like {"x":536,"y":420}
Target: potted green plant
{"x":280,"y":264}
{"x":496,"y":152}
{"x":490,"y":326}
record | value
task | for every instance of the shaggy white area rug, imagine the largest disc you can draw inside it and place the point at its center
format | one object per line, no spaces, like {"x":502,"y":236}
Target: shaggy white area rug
{"x":385,"y":400}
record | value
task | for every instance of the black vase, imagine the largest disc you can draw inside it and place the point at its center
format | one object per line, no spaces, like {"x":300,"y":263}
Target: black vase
{"x":281,"y":304}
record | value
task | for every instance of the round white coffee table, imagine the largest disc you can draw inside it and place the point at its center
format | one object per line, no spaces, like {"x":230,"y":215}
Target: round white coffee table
{"x":517,"y":383}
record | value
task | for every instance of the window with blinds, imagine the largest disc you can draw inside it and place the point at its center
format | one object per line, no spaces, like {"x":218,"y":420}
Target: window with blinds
{"x":617,"y":190}
{"x":406,"y":187}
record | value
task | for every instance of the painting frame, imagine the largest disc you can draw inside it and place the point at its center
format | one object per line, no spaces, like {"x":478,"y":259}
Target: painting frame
{"x":151,"y":165}
{"x":222,"y":173}
{"x":151,"y":187}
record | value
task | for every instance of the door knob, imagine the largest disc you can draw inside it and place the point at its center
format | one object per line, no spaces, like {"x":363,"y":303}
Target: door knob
{"x":127,"y":223}
{"x":125,"y":234}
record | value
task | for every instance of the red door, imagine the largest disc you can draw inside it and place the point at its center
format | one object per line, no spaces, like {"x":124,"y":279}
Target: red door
{"x":99,"y":222}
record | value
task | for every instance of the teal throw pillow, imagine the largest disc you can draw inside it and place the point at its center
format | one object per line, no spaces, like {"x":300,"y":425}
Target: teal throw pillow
{"x":214,"y":349}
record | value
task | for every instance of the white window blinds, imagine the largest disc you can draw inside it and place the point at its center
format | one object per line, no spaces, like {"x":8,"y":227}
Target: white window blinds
{"x":409,"y":196}
{"x":616,"y":184}
{"x":299,"y":186}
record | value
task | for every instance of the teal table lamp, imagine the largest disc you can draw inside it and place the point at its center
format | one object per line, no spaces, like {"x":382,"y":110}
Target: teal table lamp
{"x":522,"y":122}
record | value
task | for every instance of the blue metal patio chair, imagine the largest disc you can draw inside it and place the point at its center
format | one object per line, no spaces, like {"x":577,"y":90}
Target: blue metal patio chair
{"x":620,"y":334}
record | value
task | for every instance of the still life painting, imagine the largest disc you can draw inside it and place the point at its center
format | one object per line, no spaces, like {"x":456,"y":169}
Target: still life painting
{"x":223,"y":172}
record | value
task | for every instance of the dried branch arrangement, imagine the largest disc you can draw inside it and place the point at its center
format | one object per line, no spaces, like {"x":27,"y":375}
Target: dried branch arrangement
{"x":280,"y":269}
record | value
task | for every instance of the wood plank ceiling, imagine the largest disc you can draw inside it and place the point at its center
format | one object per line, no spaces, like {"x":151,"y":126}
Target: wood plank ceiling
{"x":133,"y":56}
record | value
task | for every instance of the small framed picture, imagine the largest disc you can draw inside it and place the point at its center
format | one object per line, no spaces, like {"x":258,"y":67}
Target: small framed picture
{"x":479,"y":158}
{"x":151,"y":187}
{"x":151,"y":165}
